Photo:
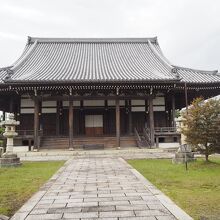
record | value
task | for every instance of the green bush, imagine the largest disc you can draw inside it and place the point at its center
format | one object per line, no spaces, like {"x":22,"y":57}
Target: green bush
{"x":2,"y":130}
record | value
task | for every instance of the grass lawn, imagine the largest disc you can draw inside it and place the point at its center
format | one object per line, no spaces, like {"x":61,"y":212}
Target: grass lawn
{"x":17,"y":185}
{"x":197,"y":190}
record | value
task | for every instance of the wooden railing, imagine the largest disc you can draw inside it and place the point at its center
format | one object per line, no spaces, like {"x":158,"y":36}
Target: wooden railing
{"x":143,"y":140}
{"x":28,"y":132}
{"x":146,"y":134}
{"x":138,"y":138}
{"x":165,"y":129}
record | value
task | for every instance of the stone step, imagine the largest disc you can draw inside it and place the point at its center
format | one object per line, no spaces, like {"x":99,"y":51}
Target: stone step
{"x":106,"y":142}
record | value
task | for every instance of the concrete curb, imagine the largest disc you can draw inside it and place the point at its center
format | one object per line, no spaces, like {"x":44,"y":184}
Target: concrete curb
{"x":165,"y":200}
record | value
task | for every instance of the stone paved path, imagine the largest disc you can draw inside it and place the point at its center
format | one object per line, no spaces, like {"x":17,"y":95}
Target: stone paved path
{"x":98,"y":188}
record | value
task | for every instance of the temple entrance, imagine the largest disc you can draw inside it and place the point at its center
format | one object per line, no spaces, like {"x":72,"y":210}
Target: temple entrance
{"x":94,"y":125}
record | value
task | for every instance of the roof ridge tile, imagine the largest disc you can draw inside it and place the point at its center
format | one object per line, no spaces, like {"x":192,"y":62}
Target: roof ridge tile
{"x":91,"y":40}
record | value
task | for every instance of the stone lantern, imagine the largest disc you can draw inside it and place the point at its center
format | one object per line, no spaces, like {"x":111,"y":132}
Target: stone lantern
{"x":9,"y":158}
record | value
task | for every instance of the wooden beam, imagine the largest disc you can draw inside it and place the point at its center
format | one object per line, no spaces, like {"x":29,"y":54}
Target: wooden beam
{"x":78,"y":98}
{"x":36,"y":124}
{"x":70,"y":124}
{"x":151,"y":121}
{"x":117,"y":112}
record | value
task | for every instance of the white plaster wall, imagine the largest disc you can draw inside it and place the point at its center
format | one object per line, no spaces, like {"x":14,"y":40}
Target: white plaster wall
{"x":93,"y":103}
{"x":137,"y":102}
{"x":75,"y":103}
{"x":27,"y":111}
{"x":112,"y":102}
{"x":159,"y":108}
{"x":138,"y":109}
{"x":49,"y":110}
{"x":159,"y":101}
{"x":49,"y":104}
{"x":27,"y":103}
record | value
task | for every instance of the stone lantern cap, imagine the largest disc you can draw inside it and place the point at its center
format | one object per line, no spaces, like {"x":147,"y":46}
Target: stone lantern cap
{"x":10,"y":124}
{"x":10,"y":121}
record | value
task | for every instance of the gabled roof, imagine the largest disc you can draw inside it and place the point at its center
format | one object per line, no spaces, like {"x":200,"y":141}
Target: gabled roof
{"x":98,"y":60}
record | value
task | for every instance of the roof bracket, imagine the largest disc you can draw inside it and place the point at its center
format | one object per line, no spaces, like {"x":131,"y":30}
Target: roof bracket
{"x":117,"y":90}
{"x":70,"y":90}
{"x":35,"y":92}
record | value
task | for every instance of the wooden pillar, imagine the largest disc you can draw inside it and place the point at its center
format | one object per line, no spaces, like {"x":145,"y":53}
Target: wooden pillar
{"x":129,"y":118}
{"x":18,"y":109}
{"x":151,"y":120}
{"x":70,"y":125}
{"x":11,"y":104}
{"x":157,"y":141}
{"x":117,"y":112}
{"x":173,"y":111}
{"x":58,"y":118}
{"x":36,"y":124}
{"x":29,"y":144}
{"x":3,"y":118}
{"x":186,"y":97}
{"x":146,"y":115}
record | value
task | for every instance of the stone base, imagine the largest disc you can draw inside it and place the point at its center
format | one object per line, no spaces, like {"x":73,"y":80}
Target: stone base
{"x":9,"y":160}
{"x":181,"y":157}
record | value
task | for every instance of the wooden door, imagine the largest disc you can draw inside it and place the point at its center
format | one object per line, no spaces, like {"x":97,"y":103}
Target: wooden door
{"x":94,"y":125}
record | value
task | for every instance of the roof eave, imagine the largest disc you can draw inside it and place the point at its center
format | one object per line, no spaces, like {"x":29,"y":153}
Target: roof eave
{"x":31,"y":82}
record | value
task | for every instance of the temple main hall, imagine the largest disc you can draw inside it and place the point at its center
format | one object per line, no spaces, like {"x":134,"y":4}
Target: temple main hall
{"x":71,"y":93}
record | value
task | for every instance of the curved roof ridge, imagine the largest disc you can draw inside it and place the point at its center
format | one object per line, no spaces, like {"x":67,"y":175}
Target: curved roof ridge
{"x":162,"y":54}
{"x":161,"y":58}
{"x":91,"y":40}
{"x":197,"y":70}
{"x":24,"y":58}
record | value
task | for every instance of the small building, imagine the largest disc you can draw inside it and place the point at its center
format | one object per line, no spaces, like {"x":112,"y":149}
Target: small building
{"x":70,"y":92}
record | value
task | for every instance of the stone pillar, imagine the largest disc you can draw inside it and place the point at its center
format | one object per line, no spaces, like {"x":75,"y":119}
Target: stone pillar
{"x":117,"y":112}
{"x":71,"y":125}
{"x":151,"y":120}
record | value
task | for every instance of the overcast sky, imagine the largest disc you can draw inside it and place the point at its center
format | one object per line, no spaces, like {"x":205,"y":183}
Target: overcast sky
{"x":188,"y":30}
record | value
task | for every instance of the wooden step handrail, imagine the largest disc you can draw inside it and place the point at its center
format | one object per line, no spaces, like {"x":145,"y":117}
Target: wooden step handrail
{"x":146,"y":134}
{"x":137,"y":135}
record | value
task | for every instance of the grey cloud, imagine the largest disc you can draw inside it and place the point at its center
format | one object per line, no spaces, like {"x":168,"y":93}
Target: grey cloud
{"x":188,"y":31}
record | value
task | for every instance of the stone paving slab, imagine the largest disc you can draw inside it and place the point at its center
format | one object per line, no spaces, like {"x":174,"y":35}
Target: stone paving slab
{"x":99,"y":188}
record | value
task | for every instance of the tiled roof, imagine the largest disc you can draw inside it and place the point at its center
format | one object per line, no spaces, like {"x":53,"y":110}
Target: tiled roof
{"x":3,"y":74}
{"x":99,"y":60}
{"x":197,"y":76}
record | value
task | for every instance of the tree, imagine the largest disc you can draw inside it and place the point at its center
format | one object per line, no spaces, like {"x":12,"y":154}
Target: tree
{"x":202,"y":125}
